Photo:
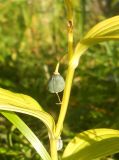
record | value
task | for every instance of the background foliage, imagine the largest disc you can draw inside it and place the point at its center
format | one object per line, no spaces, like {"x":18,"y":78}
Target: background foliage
{"x":33,"y":37}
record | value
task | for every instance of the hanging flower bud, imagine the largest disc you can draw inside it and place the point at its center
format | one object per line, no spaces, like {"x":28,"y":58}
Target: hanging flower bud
{"x":56,"y":83}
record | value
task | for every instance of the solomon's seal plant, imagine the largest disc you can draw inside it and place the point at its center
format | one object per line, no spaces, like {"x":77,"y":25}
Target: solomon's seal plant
{"x":88,"y":145}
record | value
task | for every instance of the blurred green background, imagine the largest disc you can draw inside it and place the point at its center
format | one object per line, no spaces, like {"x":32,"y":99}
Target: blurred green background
{"x":33,"y":37}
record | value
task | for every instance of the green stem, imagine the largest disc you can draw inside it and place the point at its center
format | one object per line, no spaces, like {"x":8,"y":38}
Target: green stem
{"x":65,"y":101}
{"x":69,"y":27}
{"x":82,"y":17}
{"x":53,"y":149}
{"x":70,"y":71}
{"x":57,"y":69}
{"x":70,"y":39}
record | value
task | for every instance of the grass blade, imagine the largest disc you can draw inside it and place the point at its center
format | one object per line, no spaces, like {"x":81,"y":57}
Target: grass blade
{"x":26,"y":131}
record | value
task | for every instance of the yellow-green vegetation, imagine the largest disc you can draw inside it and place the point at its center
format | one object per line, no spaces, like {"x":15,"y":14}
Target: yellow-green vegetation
{"x":40,"y":38}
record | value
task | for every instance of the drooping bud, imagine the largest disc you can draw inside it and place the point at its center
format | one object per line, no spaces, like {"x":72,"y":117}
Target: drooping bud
{"x":56,"y":83}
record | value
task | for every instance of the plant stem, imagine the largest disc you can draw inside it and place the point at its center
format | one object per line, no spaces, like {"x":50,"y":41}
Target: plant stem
{"x":82,"y":17}
{"x":65,"y":101}
{"x":53,"y":148}
{"x":70,"y":39}
{"x":69,"y":27}
{"x":70,"y":71}
{"x":57,"y":69}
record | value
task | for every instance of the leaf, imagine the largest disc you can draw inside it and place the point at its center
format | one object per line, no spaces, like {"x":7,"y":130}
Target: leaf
{"x":101,"y":39}
{"x":106,"y":27}
{"x":103,"y":31}
{"x":26,"y":131}
{"x":10,"y":101}
{"x":91,"y":144}
{"x":18,"y":99}
{"x":79,"y":50}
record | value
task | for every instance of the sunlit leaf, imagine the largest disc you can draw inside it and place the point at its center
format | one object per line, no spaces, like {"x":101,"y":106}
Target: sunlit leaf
{"x":80,"y":49}
{"x":103,"y":31}
{"x":104,"y":28}
{"x":101,"y":39}
{"x":18,"y":99}
{"x":26,"y":131}
{"x":10,"y":101}
{"x":91,"y":144}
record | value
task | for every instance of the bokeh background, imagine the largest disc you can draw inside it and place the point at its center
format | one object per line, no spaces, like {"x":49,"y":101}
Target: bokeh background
{"x":33,"y":37}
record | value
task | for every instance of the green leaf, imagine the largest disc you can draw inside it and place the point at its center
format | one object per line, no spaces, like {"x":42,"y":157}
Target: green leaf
{"x":107,"y":27}
{"x":100,"y":39}
{"x":103,"y":31}
{"x":10,"y":101}
{"x":79,"y":50}
{"x":92,"y":144}
{"x":26,"y":131}
{"x":18,"y":99}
